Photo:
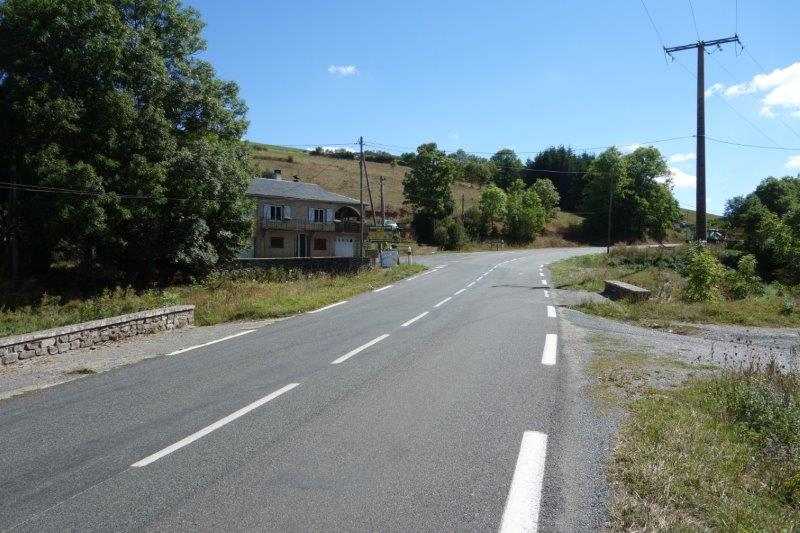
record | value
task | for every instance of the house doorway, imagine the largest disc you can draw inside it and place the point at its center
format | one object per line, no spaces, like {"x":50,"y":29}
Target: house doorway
{"x":302,"y":246}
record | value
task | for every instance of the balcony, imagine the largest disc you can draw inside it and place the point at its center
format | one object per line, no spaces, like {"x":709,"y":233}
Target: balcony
{"x":298,"y":225}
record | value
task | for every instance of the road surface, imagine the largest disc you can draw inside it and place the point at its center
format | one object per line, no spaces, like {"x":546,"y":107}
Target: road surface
{"x":437,"y":403}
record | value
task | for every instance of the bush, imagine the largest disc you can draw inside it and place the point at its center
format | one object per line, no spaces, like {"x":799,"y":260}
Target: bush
{"x":449,"y":234}
{"x":744,"y":281}
{"x":703,"y":275}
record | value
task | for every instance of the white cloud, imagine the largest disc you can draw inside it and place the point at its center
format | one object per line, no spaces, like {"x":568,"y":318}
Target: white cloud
{"x":714,"y":89}
{"x":679,"y":179}
{"x":343,"y":71}
{"x":682,"y":158}
{"x":793,"y":162}
{"x":780,"y":89}
{"x":453,"y":136}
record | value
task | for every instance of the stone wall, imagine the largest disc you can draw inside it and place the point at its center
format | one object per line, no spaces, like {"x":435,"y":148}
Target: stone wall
{"x":336,"y":265}
{"x":59,"y":340}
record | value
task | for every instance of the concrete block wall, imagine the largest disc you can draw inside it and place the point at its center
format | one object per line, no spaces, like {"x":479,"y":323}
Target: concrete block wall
{"x":60,"y":340}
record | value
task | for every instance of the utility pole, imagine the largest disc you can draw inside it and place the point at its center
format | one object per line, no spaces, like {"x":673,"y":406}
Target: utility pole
{"x":462,"y":207}
{"x":361,"y":192}
{"x":700,"y":230}
{"x":383,"y":210}
{"x":610,"y":199}
{"x":14,"y":227}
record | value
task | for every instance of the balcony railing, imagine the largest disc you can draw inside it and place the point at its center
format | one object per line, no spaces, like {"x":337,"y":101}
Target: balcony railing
{"x":299,"y":225}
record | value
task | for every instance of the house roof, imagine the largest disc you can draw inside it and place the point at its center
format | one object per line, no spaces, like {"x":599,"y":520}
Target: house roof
{"x":297,"y":190}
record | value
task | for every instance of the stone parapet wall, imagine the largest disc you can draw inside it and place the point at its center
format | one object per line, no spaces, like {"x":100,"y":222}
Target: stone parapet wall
{"x":60,"y":340}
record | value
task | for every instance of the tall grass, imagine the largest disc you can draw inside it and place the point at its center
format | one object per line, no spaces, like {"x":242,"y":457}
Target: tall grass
{"x":222,"y":297}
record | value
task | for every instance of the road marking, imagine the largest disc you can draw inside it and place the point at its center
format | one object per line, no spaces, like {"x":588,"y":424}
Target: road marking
{"x":459,"y":291}
{"x":216,"y":425}
{"x":209,"y":343}
{"x":550,"y":349}
{"x":547,"y":294}
{"x":361,"y":348}
{"x":408,"y":323}
{"x":551,"y":311}
{"x":470,"y":284}
{"x":327,"y":307}
{"x":443,"y":301}
{"x":383,"y":288}
{"x":525,"y":495}
{"x":544,"y":281}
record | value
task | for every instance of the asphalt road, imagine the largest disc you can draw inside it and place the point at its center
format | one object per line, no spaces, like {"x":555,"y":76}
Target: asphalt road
{"x":437,"y":403}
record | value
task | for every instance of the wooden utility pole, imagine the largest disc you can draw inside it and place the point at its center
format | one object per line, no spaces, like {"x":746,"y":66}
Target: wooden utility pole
{"x":14,"y":230}
{"x":610,"y":199}
{"x":700,"y":205}
{"x":383,"y":209}
{"x":361,"y":191}
{"x":462,"y":207}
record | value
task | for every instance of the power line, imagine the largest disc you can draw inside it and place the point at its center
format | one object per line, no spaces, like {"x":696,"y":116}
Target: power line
{"x":653,"y":24}
{"x":734,"y":143}
{"x":76,"y":192}
{"x":694,"y":20}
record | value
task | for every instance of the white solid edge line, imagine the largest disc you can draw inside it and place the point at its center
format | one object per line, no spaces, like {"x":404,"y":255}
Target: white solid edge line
{"x":544,"y":281}
{"x":470,"y":284}
{"x":209,"y":343}
{"x":524,"y":497}
{"x":409,"y":322}
{"x":444,"y":301}
{"x":361,"y":348}
{"x":547,"y":294}
{"x":550,"y":349}
{"x":551,"y":311}
{"x":383,"y":288}
{"x":327,"y":307}
{"x":216,"y":425}
{"x":459,"y":291}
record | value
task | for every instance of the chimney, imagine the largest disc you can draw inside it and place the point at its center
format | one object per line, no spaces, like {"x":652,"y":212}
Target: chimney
{"x":295,"y":178}
{"x":276,"y":174}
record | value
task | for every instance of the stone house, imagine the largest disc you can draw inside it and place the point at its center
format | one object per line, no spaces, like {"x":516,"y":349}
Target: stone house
{"x":297,"y":219}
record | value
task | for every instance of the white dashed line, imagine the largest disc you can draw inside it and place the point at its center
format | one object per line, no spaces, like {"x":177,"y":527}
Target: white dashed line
{"x":547,"y":294}
{"x":550,"y":349}
{"x":544,"y":281}
{"x":327,"y":307}
{"x":443,"y":301}
{"x":216,"y":425}
{"x":209,"y":343}
{"x":524,"y":497}
{"x":470,"y":284}
{"x":361,"y":348}
{"x":383,"y":288}
{"x":409,"y":322}
{"x":551,"y":311}
{"x":459,"y":292}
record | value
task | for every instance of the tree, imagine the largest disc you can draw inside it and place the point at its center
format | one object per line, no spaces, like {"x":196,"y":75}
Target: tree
{"x":479,"y":172}
{"x":548,"y":194}
{"x":642,"y":206}
{"x":475,"y":224}
{"x":509,"y":167}
{"x":427,"y":189}
{"x":493,"y":205}
{"x":111,"y":98}
{"x":525,"y":216}
{"x":566,"y":169}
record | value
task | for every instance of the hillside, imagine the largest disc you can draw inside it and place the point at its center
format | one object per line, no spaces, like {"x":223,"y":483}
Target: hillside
{"x":341,"y":176}
{"x":690,"y":217}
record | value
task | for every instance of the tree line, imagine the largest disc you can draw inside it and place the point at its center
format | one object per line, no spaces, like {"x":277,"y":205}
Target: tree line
{"x":520,"y":199}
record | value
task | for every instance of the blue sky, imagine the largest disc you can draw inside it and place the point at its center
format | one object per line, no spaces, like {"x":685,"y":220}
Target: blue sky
{"x":524,"y":75}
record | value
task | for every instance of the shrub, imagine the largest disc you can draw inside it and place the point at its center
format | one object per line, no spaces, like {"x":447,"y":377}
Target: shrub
{"x":449,"y":234}
{"x":703,"y":275}
{"x":744,"y":281}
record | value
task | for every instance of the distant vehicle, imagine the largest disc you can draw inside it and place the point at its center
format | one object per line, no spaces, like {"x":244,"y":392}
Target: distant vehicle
{"x":714,"y":235}
{"x":390,"y":224}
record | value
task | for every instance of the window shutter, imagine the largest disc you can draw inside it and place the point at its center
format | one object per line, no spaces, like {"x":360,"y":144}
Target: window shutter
{"x":287,"y":212}
{"x":264,"y":214}
{"x":329,"y":215}
{"x":311,"y":214}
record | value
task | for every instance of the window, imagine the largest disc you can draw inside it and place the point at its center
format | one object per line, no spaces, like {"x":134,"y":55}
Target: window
{"x":276,"y":212}
{"x":276,"y":242}
{"x":319,"y":215}
{"x":320,"y":244}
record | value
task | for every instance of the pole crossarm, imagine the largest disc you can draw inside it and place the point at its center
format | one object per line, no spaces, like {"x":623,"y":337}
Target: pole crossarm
{"x":703,"y":44}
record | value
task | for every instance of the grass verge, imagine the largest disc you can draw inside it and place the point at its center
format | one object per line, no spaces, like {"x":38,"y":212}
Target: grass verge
{"x":656,"y":271}
{"x":700,"y":449}
{"x":247,"y":295}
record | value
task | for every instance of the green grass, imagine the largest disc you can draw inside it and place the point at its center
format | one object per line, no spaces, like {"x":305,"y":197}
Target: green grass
{"x":655,"y":269}
{"x":249,"y":295}
{"x":688,"y":460}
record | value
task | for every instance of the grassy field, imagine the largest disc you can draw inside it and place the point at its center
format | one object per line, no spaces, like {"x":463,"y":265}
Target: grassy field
{"x":654,"y":269}
{"x":341,"y":175}
{"x":246,"y":295}
{"x":700,"y":448}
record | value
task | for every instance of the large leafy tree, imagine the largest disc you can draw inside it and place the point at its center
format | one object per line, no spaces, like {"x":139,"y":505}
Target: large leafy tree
{"x":566,"y":169}
{"x":493,"y":204}
{"x":109,"y":97}
{"x":508,"y":167}
{"x":427,"y":189}
{"x":638,"y":187}
{"x":548,"y":194}
{"x":525,"y":215}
